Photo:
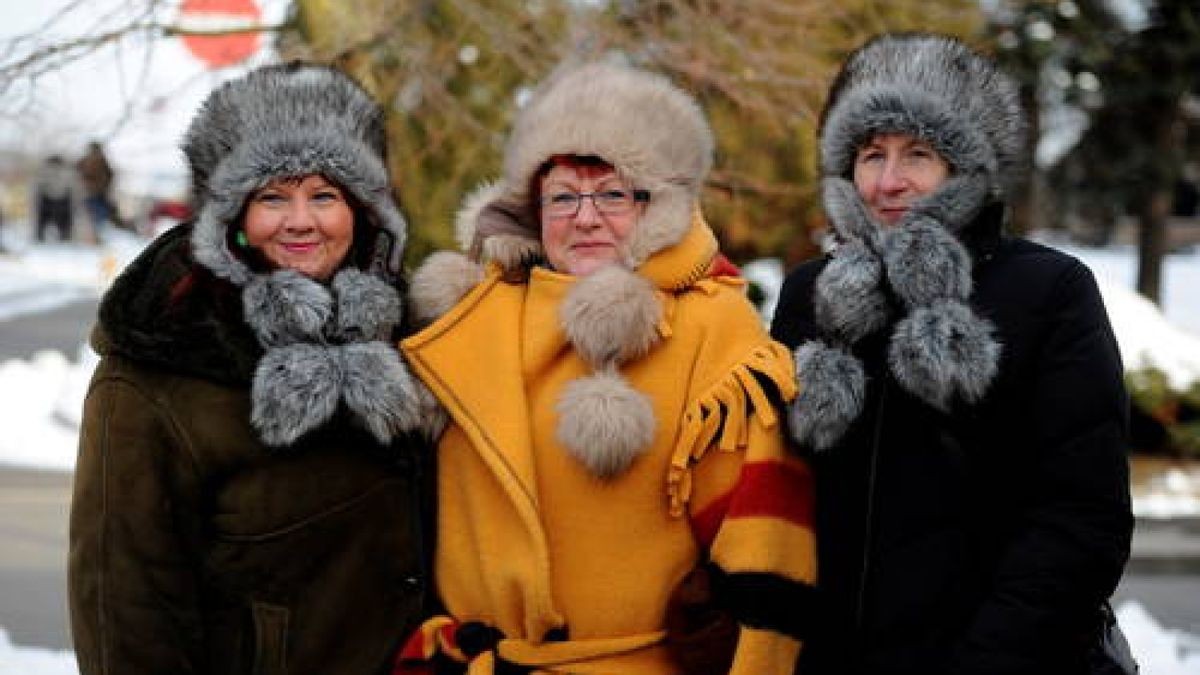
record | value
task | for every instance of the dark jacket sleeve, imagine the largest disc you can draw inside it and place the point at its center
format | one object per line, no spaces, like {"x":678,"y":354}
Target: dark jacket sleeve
{"x":1074,"y":521}
{"x":132,"y":574}
{"x":794,"y":322}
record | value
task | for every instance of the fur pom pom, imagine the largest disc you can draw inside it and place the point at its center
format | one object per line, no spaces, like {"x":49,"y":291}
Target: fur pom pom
{"x":847,"y":299}
{"x":833,"y":388}
{"x":605,"y":423}
{"x":379,"y":388}
{"x":944,"y":352}
{"x":367,"y":307}
{"x":285,"y":307}
{"x":926,"y":263}
{"x":954,"y":204}
{"x":611,"y":316}
{"x":296,"y":389}
{"x":440,"y":282}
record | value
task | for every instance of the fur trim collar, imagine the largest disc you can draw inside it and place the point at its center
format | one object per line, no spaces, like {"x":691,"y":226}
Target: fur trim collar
{"x":199,"y":334}
{"x":650,"y":130}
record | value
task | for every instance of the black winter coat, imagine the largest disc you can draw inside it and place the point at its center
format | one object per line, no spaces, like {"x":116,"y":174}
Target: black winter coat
{"x":981,"y":541}
{"x":197,"y":549}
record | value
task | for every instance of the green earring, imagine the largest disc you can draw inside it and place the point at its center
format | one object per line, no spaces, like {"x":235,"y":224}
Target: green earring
{"x":240,"y":239}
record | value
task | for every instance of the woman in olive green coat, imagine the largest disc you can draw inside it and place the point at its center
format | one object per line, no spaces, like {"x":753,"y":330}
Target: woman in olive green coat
{"x":249,"y":494}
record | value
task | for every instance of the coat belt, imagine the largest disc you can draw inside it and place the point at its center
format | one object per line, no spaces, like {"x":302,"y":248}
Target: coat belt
{"x":486,"y":651}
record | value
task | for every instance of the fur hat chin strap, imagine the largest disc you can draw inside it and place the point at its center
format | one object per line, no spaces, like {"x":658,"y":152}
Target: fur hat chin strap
{"x":327,"y":347}
{"x":605,"y":423}
{"x":610,"y":317}
{"x":940,"y":350}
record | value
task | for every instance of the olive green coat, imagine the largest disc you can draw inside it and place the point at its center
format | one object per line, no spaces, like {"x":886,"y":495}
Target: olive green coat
{"x":195,"y":548}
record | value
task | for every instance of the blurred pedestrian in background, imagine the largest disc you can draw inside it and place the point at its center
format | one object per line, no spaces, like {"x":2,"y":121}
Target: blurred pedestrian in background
{"x":961,"y":390}
{"x":54,"y":196}
{"x":96,"y":178}
{"x":248,"y":495}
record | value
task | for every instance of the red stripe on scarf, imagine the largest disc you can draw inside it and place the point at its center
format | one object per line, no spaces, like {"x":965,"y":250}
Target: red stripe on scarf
{"x":774,"y":489}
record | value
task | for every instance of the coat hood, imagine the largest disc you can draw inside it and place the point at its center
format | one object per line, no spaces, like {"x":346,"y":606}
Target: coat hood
{"x":652,"y":132}
{"x":914,"y":278}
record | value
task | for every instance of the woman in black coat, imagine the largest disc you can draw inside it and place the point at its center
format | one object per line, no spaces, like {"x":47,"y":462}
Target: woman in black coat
{"x":962,"y":396}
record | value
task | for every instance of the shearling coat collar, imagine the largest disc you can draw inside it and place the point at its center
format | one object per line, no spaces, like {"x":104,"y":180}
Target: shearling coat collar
{"x":201,"y":335}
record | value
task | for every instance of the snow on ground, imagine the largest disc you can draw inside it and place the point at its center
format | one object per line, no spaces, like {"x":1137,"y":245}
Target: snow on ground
{"x":16,"y":660}
{"x":41,"y":397}
{"x":1158,"y":650}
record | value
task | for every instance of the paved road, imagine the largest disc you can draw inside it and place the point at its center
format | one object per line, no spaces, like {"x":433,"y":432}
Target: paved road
{"x":64,"y":329}
{"x":33,"y":535}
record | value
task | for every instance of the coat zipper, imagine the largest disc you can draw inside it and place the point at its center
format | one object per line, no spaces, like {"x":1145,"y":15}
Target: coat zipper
{"x":868,"y":526}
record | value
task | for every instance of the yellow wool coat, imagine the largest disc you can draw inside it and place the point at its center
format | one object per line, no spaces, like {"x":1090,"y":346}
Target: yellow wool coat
{"x":575,"y":572}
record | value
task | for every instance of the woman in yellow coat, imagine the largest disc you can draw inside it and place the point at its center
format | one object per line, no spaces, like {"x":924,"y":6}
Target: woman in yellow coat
{"x":612,"y":403}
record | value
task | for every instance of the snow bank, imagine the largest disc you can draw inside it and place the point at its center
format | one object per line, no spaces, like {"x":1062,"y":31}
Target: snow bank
{"x":1147,"y":339}
{"x":42,"y":399}
{"x":1158,"y":650}
{"x":16,"y":660}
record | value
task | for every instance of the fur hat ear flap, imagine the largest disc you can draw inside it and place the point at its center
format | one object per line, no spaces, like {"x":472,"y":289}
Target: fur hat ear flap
{"x":605,"y":423}
{"x":511,"y":251}
{"x":494,"y":227}
{"x":440,"y":282}
{"x":380,"y":389}
{"x":611,"y":316}
{"x":833,"y":388}
{"x":285,"y":307}
{"x":368,"y":307}
{"x":848,"y":300}
{"x":846,"y":210}
{"x":295,"y":390}
{"x":925,"y":263}
{"x":944,"y":352}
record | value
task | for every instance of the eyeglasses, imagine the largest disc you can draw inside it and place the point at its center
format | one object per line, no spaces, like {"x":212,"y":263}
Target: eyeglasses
{"x":615,"y":202}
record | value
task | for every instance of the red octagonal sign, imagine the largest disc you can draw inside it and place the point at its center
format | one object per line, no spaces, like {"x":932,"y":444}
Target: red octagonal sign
{"x":215,"y":16}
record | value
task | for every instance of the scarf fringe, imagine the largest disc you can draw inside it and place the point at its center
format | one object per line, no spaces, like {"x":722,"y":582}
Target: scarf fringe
{"x":720,"y":417}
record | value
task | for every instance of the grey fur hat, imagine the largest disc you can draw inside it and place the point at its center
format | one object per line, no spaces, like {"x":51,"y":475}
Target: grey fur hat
{"x":915,"y":276}
{"x":327,"y":345}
